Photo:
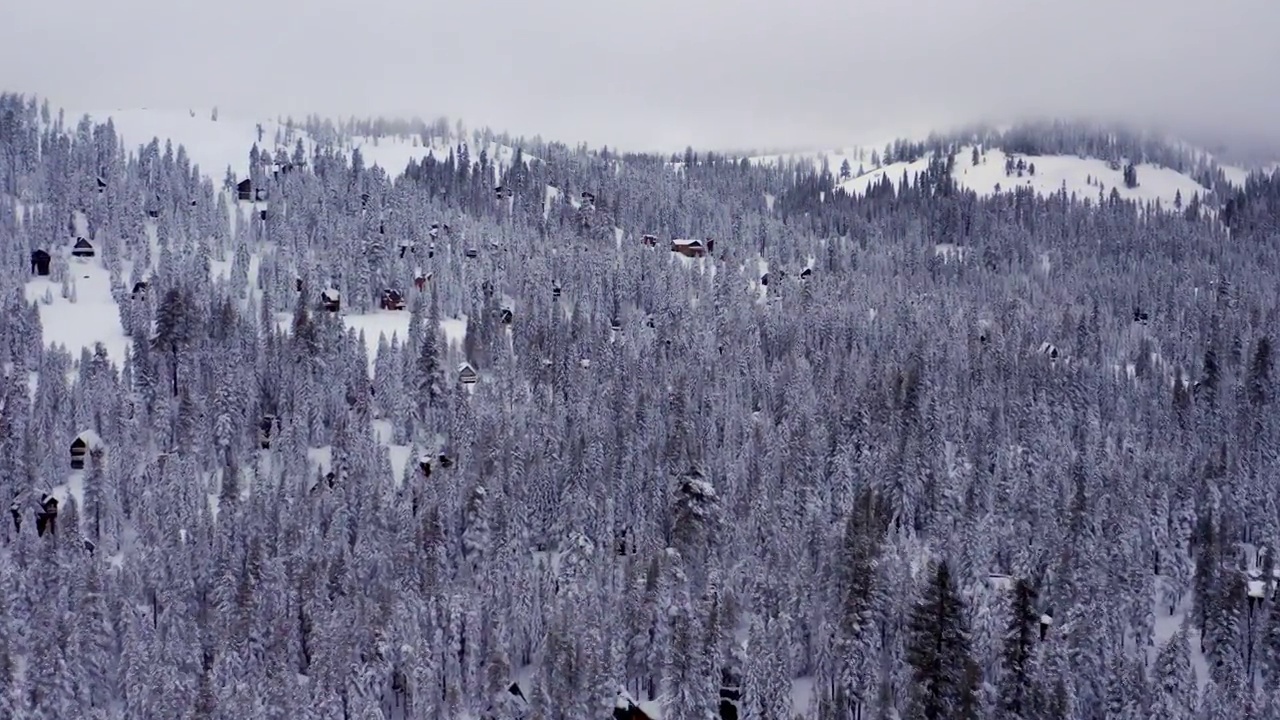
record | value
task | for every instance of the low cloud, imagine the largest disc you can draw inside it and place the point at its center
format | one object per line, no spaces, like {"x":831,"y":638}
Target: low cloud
{"x":663,"y":74}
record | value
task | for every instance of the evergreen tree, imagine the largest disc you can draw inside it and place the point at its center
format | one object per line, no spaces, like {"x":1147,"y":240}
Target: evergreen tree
{"x":946,"y":683}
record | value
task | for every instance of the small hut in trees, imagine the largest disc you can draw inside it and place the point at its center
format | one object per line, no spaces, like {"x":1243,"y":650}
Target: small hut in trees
{"x":331,"y":300}
{"x":47,"y":515}
{"x":467,"y":374}
{"x":650,"y":240}
{"x":40,"y":260}
{"x":689,"y":248}
{"x":87,"y":442}
{"x":266,"y":426}
{"x":139,"y":290}
{"x":392,"y":300}
{"x":82,"y":249}
{"x":247,"y":192}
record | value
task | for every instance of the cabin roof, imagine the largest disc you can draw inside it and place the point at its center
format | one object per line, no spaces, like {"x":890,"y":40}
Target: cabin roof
{"x":88,"y":439}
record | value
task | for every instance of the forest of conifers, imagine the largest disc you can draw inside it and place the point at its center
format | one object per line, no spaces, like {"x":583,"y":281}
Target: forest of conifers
{"x":1008,"y":457}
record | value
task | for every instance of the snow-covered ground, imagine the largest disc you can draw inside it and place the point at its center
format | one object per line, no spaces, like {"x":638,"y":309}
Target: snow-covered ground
{"x":1082,"y":177}
{"x":386,"y":323}
{"x":215,"y":145}
{"x":90,"y":315}
{"x":395,"y":323}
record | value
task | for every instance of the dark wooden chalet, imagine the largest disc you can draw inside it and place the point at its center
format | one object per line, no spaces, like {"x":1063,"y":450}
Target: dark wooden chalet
{"x":47,"y":515}
{"x":85,"y":443}
{"x":467,"y":374}
{"x":266,"y":426}
{"x":82,"y":249}
{"x":625,"y":709}
{"x":689,"y":248}
{"x":650,"y":240}
{"x":392,"y":300}
{"x":248,"y":193}
{"x":40,"y":260}
{"x":331,"y":300}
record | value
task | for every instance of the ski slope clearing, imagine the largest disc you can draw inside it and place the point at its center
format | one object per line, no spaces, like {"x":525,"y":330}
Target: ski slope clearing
{"x":213,"y":145}
{"x":217,"y":144}
{"x":87,"y":316}
{"x":1081,"y":177}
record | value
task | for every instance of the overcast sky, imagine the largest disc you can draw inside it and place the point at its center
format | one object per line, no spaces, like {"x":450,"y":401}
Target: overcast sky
{"x":662,"y":73}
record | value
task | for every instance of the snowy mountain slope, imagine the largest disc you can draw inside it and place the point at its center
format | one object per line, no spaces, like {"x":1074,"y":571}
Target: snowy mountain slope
{"x":217,"y":141}
{"x":1082,"y":177}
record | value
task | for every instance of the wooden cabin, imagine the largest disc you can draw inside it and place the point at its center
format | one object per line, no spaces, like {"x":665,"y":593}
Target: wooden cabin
{"x":266,"y":425}
{"x":82,"y":249}
{"x":467,"y":374}
{"x":625,"y":709}
{"x":689,"y":248}
{"x":650,"y":240}
{"x":40,"y":260}
{"x":502,"y":193}
{"x":47,"y":515}
{"x":85,"y":443}
{"x":1140,"y":316}
{"x":248,"y":193}
{"x":140,"y":290}
{"x":331,"y":300}
{"x":392,"y":300}
{"x":588,"y":198}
